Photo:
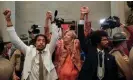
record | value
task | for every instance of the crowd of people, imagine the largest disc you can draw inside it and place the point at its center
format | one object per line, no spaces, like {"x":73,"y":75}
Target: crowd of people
{"x":57,"y":55}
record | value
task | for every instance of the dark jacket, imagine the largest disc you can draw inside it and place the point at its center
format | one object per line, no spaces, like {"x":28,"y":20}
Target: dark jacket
{"x":84,"y":41}
{"x":89,"y":68}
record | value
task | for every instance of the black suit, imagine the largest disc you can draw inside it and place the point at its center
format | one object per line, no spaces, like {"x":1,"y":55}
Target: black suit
{"x":84,"y":41}
{"x":89,"y":68}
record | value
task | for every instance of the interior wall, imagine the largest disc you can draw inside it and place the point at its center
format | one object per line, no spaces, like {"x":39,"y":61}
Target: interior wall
{"x":30,"y":12}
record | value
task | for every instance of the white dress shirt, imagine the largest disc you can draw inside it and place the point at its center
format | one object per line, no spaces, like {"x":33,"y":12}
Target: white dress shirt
{"x":34,"y":75}
{"x":31,"y":67}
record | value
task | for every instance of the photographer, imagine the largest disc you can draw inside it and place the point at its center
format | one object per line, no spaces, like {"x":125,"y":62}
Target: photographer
{"x":38,"y":64}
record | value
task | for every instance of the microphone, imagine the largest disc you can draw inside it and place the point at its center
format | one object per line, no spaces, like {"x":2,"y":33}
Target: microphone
{"x":56,"y":12}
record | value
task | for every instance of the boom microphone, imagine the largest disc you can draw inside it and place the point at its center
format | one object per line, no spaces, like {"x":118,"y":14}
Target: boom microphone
{"x":55,"y":14}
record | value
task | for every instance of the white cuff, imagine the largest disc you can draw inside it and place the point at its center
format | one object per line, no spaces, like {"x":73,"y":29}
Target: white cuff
{"x":81,"y":22}
{"x":10,"y":28}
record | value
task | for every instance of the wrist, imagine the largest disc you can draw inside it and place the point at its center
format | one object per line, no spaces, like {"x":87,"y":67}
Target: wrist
{"x":47,"y":19}
{"x":9,"y":24}
{"x":82,"y":16}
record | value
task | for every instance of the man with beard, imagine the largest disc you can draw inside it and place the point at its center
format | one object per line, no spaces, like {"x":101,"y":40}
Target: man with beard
{"x":98,"y":65}
{"x":38,"y":62}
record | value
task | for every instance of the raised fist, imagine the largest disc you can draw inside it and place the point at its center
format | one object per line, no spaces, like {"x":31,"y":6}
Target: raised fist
{"x":84,"y":10}
{"x":49,"y":15}
{"x":7,"y":14}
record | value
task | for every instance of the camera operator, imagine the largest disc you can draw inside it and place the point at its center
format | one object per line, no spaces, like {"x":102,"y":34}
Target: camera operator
{"x":38,"y":64}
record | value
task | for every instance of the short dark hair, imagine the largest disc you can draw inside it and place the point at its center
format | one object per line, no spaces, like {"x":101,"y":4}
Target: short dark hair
{"x":1,"y":47}
{"x":96,"y":37}
{"x":42,"y":35}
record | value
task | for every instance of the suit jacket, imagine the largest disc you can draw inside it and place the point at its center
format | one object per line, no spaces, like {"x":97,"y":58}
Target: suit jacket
{"x":84,"y":41}
{"x":6,"y":69}
{"x":30,"y":52}
{"x":89,"y":69}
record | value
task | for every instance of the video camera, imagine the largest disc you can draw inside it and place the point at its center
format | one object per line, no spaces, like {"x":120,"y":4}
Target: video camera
{"x":58,"y":21}
{"x":34,"y":29}
{"x":111,"y":23}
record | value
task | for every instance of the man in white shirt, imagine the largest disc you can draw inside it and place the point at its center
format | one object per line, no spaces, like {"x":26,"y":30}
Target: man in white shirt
{"x":38,"y":62}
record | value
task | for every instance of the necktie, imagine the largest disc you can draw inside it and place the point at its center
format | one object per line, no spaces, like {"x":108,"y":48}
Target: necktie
{"x":40,"y":67}
{"x":100,"y":58}
{"x":100,"y":72}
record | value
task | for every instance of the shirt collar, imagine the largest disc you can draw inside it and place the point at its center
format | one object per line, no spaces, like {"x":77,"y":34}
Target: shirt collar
{"x":44,"y":50}
{"x":98,"y":50}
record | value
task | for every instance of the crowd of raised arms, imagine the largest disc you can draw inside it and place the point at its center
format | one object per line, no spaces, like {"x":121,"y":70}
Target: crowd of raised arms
{"x":67,"y":54}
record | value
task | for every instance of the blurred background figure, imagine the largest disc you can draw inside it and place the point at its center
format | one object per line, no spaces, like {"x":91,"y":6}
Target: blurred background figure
{"x":8,"y":50}
{"x":6,"y":68}
{"x":120,"y":51}
{"x":17,"y":61}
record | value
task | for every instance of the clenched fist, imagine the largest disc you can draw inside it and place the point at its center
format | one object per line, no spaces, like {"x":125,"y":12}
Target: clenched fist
{"x":84,"y":10}
{"x":7,"y":14}
{"x":49,"y":15}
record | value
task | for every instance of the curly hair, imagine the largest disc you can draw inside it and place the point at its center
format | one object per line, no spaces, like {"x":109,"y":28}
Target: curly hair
{"x":96,"y":37}
{"x":42,"y":36}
